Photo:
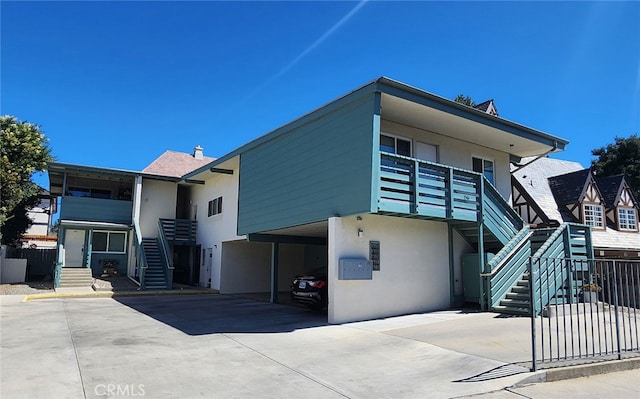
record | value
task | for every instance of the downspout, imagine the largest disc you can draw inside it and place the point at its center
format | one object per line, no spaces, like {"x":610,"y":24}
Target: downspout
{"x":555,"y":147}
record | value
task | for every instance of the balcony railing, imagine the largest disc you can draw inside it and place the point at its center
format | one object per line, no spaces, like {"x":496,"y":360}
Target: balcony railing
{"x":96,"y":210}
{"x":412,"y":186}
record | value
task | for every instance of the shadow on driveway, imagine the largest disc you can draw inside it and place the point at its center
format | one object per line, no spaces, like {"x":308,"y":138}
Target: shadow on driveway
{"x":210,"y":314}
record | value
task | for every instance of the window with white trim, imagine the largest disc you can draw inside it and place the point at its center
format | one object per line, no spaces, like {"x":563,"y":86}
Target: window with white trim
{"x":627,"y":219}
{"x":395,"y":145}
{"x":594,"y":216}
{"x":215,"y":206}
{"x":109,"y":242}
{"x":484,"y":166}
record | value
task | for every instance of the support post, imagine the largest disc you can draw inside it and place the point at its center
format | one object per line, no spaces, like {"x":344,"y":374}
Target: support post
{"x":452,"y":274}
{"x":274,"y":272}
{"x":484,"y":300}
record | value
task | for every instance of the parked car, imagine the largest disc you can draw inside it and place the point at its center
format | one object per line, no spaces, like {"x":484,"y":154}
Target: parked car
{"x":311,"y":289}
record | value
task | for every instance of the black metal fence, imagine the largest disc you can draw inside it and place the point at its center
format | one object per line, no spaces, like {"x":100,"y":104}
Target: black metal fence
{"x":584,"y":310}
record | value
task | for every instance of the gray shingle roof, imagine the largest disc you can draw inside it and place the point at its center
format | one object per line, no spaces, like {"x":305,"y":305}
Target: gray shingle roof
{"x":534,"y":179}
{"x":609,"y":187}
{"x":567,"y":188}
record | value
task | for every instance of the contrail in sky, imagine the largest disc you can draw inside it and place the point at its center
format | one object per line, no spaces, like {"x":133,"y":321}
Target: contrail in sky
{"x":321,"y":39}
{"x":309,"y":49}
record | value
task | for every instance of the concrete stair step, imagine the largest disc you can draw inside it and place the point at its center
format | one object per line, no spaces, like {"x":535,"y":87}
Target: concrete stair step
{"x":76,"y":277}
{"x":522,"y":311}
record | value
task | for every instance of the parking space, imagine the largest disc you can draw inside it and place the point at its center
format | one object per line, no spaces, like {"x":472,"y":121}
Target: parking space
{"x":227,"y":346}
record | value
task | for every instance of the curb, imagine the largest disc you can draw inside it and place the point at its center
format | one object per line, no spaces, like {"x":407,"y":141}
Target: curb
{"x":111,"y":294}
{"x":586,"y":370}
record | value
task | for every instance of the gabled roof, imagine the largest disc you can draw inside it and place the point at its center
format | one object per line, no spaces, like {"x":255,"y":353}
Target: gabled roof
{"x":610,"y":189}
{"x":488,"y":106}
{"x":568,"y":188}
{"x":176,"y":164}
{"x":534,"y":179}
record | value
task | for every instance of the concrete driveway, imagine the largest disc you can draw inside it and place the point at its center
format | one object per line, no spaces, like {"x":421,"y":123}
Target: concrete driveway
{"x":217,"y":346}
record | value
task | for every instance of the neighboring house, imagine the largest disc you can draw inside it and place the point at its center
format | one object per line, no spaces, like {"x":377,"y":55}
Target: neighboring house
{"x":548,"y":192}
{"x":389,"y":187}
{"x":104,"y":213}
{"x":488,"y":106}
{"x":39,"y":233}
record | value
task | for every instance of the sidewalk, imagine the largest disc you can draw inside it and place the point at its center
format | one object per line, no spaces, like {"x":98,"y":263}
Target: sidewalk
{"x":621,"y":384}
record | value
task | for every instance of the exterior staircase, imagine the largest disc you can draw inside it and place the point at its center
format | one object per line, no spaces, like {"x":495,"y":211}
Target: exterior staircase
{"x":414,"y":188}
{"x":178,"y":231}
{"x":154,"y":274}
{"x":552,"y":249}
{"x":75,"y":277}
{"x":518,"y":300}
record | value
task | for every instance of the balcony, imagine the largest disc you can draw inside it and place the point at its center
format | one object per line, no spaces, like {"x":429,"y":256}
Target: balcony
{"x":96,"y":210}
{"x":418,"y":188}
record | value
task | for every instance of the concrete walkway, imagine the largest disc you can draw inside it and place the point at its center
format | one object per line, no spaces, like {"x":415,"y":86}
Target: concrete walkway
{"x":210,"y":346}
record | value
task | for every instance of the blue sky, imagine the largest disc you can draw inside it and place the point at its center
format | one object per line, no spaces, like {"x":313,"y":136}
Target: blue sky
{"x":115,"y":84}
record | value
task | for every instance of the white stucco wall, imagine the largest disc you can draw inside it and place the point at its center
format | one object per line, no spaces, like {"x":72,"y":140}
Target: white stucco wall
{"x":216,"y":229}
{"x":414,"y":267}
{"x":456,"y":152}
{"x":158,"y":200}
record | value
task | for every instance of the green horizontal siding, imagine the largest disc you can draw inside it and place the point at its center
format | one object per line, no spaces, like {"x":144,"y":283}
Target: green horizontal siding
{"x":316,"y":170}
{"x":96,"y":210}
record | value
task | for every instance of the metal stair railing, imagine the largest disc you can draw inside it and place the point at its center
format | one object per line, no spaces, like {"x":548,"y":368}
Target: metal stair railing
{"x":141,"y":259}
{"x":166,"y":254}
{"x":569,"y":242}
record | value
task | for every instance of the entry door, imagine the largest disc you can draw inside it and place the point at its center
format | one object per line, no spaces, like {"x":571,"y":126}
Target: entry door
{"x":427,"y":152}
{"x":73,"y":248}
{"x":208,"y":264}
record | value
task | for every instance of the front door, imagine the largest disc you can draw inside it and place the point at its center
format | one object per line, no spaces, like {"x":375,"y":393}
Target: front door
{"x":427,"y":152}
{"x":74,"y":248}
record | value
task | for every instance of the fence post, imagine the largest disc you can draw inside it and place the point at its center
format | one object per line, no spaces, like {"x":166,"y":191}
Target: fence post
{"x":615,"y":309}
{"x":534,"y":365}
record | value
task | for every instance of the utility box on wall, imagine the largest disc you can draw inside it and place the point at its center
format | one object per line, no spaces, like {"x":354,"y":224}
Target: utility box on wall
{"x":355,"y":269}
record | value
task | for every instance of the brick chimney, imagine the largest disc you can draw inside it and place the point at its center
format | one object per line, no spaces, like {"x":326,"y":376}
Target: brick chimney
{"x":198,"y":152}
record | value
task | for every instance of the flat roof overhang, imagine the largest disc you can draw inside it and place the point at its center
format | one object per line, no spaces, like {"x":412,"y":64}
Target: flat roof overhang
{"x":57,"y":171}
{"x":413,"y":107}
{"x":96,"y":225}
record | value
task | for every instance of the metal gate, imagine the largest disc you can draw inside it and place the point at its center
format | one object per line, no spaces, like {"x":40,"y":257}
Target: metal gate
{"x":583,"y":310}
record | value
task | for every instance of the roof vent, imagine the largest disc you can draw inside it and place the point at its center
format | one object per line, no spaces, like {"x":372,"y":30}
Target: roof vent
{"x":198,"y":152}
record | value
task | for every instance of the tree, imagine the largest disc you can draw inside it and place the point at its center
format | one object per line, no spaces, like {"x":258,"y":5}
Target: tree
{"x":24,"y":150}
{"x":466,"y":100}
{"x":621,"y":157}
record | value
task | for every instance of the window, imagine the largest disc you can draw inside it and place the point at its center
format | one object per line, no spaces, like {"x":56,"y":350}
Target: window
{"x":109,"y":241}
{"x":484,"y":166}
{"x":215,"y":206}
{"x":627,"y":219}
{"x":88,"y":192}
{"x":593,"y":216}
{"x":395,"y":145}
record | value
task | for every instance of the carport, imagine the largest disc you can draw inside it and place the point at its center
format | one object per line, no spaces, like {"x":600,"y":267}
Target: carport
{"x":313,"y":235}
